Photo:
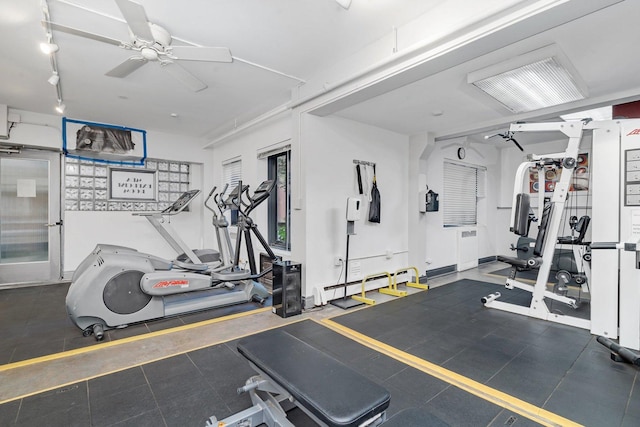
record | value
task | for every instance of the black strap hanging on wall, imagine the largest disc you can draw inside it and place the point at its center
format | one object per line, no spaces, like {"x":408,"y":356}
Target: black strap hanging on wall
{"x":359,"y":179}
{"x":374,"y":206}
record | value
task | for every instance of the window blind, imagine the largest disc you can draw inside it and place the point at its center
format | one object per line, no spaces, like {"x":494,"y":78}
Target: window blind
{"x":268,"y":152}
{"x":460,"y":190}
{"x":232,"y":173}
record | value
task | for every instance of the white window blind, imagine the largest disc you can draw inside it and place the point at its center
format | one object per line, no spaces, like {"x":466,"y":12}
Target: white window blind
{"x":232,"y":173}
{"x":272,"y":151}
{"x":460,"y":192}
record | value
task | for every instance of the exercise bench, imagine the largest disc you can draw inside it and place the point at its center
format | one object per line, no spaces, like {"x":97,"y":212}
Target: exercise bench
{"x":289,"y":369}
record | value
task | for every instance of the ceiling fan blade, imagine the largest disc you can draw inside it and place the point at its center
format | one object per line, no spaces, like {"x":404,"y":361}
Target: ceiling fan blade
{"x":183,"y":76}
{"x":127,"y":67}
{"x":136,"y":18}
{"x":81,"y":33}
{"x":194,"y":53}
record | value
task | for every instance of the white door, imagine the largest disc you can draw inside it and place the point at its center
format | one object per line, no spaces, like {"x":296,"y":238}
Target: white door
{"x":30,"y":224}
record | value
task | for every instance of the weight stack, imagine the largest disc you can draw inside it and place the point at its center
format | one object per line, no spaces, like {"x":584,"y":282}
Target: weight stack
{"x":287,"y":288}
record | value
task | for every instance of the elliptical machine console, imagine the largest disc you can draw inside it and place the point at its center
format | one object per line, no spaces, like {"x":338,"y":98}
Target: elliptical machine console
{"x":116,"y":286}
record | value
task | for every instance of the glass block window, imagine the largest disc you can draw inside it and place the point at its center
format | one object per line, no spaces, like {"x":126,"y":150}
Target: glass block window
{"x":86,"y":185}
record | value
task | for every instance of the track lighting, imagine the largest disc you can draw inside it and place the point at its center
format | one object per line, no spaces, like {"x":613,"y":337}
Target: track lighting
{"x":54,"y":79}
{"x":60,"y":107}
{"x":49,"y":48}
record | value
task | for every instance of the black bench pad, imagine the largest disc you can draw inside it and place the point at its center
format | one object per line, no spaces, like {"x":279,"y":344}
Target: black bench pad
{"x":333,"y":392}
{"x":414,"y":417}
{"x":516,"y":262}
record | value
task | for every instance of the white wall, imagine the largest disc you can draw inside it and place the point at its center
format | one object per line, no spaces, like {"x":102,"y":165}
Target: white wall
{"x":246,"y":146}
{"x":83,"y":230}
{"x":323,"y":176}
{"x":441,"y":245}
{"x":328,"y":147}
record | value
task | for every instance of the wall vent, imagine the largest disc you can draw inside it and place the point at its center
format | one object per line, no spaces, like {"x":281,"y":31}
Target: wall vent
{"x":467,"y":249}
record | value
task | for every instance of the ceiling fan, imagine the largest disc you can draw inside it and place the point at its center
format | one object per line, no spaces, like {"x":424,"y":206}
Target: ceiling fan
{"x":152,"y":44}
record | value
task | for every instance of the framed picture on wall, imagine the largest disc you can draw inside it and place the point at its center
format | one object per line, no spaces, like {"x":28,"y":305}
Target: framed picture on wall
{"x":103,"y":142}
{"x":128,"y":184}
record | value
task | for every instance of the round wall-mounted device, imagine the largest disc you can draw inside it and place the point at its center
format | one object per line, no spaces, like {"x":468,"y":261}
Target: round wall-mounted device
{"x":461,"y":153}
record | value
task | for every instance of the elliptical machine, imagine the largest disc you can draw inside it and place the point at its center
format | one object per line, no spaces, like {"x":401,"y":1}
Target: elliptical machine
{"x":116,"y":286}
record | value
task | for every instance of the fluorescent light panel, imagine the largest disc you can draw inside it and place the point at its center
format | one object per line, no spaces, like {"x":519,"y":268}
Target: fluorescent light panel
{"x":533,"y":86}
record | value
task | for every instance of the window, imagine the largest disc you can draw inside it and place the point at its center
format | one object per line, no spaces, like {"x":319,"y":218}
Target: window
{"x":463,"y":184}
{"x":280,"y":201}
{"x":232,"y":175}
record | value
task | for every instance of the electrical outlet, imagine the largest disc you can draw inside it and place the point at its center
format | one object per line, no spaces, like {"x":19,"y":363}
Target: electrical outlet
{"x":337,"y":261}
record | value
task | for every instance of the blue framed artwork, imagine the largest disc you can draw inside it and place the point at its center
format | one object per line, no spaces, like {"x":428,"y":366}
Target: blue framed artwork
{"x":103,"y":143}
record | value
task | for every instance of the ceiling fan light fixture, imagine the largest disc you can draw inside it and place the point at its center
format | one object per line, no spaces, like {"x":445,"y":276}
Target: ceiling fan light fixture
{"x":49,"y":48}
{"x":54,"y":79}
{"x":149,"y":54}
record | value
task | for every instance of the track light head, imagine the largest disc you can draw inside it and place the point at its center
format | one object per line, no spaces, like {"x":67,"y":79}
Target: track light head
{"x":60,"y":107}
{"x":54,"y":79}
{"x":49,"y":48}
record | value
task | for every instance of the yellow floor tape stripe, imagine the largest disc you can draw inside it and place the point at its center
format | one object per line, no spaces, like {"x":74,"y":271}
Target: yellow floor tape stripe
{"x":166,"y":356}
{"x":121,"y":341}
{"x":487,"y":393}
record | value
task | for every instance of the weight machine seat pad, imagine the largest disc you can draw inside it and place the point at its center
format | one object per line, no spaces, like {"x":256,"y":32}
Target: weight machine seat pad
{"x":414,"y":417}
{"x":516,"y":262}
{"x":334,"y":393}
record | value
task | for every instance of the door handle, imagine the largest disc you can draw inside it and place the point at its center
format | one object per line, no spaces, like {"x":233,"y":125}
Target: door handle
{"x":54,"y":224}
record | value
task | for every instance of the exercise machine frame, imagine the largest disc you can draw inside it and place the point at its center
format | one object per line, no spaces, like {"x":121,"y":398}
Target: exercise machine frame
{"x":538,"y":308}
{"x":116,"y":286}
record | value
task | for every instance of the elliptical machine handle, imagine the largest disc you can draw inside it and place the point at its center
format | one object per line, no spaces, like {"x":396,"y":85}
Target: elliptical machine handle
{"x":211,"y":192}
{"x":207,"y":200}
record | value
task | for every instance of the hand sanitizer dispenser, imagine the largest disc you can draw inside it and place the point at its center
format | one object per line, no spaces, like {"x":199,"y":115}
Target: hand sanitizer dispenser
{"x":353,"y":209}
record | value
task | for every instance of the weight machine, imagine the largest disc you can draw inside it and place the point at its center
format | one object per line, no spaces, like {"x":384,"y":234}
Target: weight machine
{"x":551,"y":213}
{"x":614,"y":257}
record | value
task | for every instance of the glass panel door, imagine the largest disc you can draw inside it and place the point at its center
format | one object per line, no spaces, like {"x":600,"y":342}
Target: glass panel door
{"x":29,"y":217}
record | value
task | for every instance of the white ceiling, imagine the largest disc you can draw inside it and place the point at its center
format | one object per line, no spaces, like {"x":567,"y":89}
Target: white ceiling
{"x":600,"y":46}
{"x":298,"y":38}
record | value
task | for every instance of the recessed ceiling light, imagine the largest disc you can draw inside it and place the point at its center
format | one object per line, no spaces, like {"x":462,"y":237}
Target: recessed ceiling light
{"x":174,"y":114}
{"x":437,"y":113}
{"x":532,"y":81}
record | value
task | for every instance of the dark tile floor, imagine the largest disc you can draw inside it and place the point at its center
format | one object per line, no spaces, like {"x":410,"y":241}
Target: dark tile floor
{"x":559,"y":368}
{"x":185,"y":390}
{"x":34,"y":323}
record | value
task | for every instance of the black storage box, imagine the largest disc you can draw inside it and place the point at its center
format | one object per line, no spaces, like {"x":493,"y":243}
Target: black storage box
{"x":287,"y":288}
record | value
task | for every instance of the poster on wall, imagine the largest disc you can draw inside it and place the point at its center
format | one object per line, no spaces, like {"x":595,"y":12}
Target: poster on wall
{"x":127,"y":184}
{"x":103,"y":143}
{"x":552,"y":174}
